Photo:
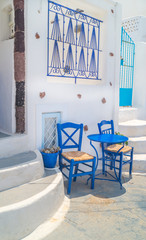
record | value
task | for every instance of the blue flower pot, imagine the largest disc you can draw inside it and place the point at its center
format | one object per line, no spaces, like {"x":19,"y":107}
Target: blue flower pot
{"x":49,"y":159}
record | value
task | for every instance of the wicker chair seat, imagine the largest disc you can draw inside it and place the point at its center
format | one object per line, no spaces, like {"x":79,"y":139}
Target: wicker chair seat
{"x":115,"y":148}
{"x":77,"y":156}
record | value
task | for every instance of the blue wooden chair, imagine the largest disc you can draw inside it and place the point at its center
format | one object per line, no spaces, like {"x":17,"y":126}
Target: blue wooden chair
{"x":70,"y":137}
{"x":113,"y":151}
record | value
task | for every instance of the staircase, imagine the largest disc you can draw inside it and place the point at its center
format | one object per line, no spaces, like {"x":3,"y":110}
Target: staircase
{"x":29,"y":196}
{"x":135,"y":129}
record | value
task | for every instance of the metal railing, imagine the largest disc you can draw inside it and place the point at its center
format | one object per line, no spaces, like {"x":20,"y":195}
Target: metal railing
{"x":127,"y":69}
{"x":73,"y":43}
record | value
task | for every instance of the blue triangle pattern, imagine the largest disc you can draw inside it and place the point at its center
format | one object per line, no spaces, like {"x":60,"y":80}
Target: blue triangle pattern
{"x":93,"y":43}
{"x":69,"y":58}
{"x":92,"y":67}
{"x":82,"y":65}
{"x":56,"y":34}
{"x":55,"y":62}
{"x":82,"y":38}
{"x":70,"y":33}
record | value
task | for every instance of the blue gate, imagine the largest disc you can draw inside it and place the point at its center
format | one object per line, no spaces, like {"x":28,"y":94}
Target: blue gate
{"x":127,"y":69}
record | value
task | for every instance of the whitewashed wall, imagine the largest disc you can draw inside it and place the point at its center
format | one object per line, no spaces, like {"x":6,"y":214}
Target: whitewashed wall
{"x":132,"y":8}
{"x":62,"y":97}
{"x":7,"y":85}
{"x":139,"y":91}
{"x":136,"y":28}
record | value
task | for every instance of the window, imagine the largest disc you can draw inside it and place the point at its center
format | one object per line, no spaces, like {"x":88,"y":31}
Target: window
{"x":73,"y":43}
{"x":50,"y":121}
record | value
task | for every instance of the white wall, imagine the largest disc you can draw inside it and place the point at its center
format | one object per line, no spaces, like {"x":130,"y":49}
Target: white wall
{"x":134,"y":17}
{"x":63,"y":96}
{"x":7,"y":85}
{"x":132,"y":8}
{"x":136,"y":28}
{"x":139,"y":91}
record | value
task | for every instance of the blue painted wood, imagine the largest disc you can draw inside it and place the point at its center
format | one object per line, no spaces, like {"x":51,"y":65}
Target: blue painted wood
{"x":126,"y":69}
{"x":74,"y":38}
{"x":70,"y":130}
{"x":107,"y":137}
{"x":126,"y":96}
{"x":109,"y":130}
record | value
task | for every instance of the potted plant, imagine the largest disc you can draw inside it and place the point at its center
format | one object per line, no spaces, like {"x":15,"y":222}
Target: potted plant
{"x":118,"y":133}
{"x":50,"y":156}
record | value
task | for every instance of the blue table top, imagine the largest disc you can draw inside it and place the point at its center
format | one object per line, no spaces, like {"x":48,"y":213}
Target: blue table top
{"x":107,"y":138}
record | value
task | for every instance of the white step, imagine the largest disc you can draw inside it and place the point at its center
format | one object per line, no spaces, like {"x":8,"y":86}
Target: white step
{"x":15,"y":144}
{"x":133,"y":128}
{"x":139,"y":164}
{"x":21,"y":168}
{"x":139,"y":144}
{"x":43,"y":231}
{"x":127,"y":113}
{"x":24,"y":208}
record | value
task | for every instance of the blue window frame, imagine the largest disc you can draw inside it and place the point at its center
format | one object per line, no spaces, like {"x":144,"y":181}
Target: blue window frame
{"x":73,"y":43}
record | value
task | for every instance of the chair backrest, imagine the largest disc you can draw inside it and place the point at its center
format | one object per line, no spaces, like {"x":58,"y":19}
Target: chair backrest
{"x":71,"y":140}
{"x":106,"y":127}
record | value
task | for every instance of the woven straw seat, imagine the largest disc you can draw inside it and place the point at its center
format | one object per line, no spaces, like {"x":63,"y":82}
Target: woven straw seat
{"x":115,"y":148}
{"x":77,"y":155}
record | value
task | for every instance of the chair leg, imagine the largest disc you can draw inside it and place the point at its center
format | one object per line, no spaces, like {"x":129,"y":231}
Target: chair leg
{"x":70,"y":177}
{"x":131,"y":163}
{"x":111,"y":165}
{"x":93,"y":173}
{"x":120,"y":169}
{"x":60,"y":163}
{"x":75,"y":172}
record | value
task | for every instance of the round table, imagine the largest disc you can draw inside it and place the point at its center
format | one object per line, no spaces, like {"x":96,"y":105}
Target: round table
{"x":108,"y":139}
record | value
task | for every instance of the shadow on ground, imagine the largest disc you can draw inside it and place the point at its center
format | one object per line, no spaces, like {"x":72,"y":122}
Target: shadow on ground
{"x":103,"y":189}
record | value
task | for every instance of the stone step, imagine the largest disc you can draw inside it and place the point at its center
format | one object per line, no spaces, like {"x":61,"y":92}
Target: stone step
{"x":139,"y":164}
{"x":133,"y":128}
{"x":127,"y":113}
{"x":24,"y":208}
{"x":14,"y":144}
{"x":20,"y":168}
{"x":43,"y":231}
{"x":139,"y":144}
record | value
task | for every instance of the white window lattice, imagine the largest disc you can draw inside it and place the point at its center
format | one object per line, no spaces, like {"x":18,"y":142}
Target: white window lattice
{"x":50,"y":135}
{"x":131,"y":24}
{"x":50,"y":129}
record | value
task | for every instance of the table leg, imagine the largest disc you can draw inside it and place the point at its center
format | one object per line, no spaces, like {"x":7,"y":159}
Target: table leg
{"x":96,"y":164}
{"x":96,"y":155}
{"x":103,"y":159}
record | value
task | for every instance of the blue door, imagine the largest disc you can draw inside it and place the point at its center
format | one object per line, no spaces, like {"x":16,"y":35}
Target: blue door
{"x":126,"y":69}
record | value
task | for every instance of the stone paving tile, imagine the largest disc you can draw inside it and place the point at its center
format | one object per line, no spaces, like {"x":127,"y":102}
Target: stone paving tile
{"x":107,"y":212}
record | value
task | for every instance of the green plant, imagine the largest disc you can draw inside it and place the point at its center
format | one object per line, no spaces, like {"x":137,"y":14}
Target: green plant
{"x":51,"y":150}
{"x":118,"y":133}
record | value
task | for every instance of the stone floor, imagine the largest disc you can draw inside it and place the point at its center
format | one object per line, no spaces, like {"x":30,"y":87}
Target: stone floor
{"x":107,"y":212}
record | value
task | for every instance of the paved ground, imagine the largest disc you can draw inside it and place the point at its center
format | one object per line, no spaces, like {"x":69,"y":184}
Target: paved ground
{"x":106,"y":213}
